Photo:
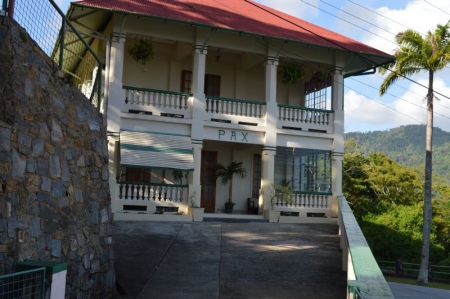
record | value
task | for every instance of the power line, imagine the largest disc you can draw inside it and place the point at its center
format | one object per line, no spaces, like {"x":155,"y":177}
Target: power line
{"x":335,"y":7}
{"x":304,"y":59}
{"x":437,"y":7}
{"x":394,"y":96}
{"x":404,"y":88}
{"x":372,"y":11}
{"x":362,"y":28}
{"x":340,"y":46}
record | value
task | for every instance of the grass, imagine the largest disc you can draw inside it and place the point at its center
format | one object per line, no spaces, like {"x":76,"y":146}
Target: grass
{"x":431,"y":284}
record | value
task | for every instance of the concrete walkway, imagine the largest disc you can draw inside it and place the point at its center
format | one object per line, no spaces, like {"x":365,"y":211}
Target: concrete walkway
{"x":406,"y":291}
{"x":212,"y":260}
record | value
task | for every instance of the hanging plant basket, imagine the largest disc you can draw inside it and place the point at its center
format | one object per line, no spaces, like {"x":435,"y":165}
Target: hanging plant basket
{"x":141,"y":51}
{"x":290,"y":73}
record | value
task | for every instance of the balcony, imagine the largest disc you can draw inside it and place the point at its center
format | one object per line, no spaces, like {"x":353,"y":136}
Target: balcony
{"x":176,"y":104}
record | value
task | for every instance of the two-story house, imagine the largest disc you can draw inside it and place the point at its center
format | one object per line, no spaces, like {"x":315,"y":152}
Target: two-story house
{"x":226,"y":81}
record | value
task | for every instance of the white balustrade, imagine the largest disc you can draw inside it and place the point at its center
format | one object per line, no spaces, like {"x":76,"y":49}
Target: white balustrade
{"x":156,"y":98}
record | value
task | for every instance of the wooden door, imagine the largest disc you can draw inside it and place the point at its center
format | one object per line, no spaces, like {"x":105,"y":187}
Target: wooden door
{"x":208,"y":181}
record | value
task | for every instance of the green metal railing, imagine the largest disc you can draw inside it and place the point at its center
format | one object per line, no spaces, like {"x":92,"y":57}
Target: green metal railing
{"x":63,"y":43}
{"x":28,"y":284}
{"x":365,"y":279}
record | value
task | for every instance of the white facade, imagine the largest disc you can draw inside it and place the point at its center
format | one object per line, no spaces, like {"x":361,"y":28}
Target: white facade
{"x":220,"y":91}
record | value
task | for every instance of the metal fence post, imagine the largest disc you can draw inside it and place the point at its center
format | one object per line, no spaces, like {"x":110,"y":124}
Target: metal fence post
{"x":61,"y":46}
{"x":398,"y":267}
{"x":11,"y":8}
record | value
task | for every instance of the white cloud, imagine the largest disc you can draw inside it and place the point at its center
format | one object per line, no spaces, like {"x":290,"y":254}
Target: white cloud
{"x":363,"y":113}
{"x":293,"y":7}
{"x":418,"y":15}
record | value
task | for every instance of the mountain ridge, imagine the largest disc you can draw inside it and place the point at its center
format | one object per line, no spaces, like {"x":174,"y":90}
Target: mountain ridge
{"x":406,"y":145}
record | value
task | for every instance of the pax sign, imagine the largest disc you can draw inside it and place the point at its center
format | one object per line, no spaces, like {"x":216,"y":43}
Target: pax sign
{"x":233,"y":136}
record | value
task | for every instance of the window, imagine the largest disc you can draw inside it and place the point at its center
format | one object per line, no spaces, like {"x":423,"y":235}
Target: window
{"x":186,"y":81}
{"x":316,"y":90}
{"x":137,"y":175}
{"x":256,"y":180}
{"x":305,"y":170}
{"x":212,"y":84}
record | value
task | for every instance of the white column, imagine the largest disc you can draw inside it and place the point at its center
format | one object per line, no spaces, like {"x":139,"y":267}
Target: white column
{"x":116,"y":99}
{"x":198,"y":97}
{"x":267,"y":176}
{"x":270,"y":143}
{"x":338,"y":141}
{"x":271,"y":101}
{"x":116,"y":93}
{"x":194,"y":184}
{"x":114,"y":171}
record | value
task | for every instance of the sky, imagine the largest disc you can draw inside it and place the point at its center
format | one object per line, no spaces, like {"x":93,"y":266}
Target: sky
{"x":375,"y":23}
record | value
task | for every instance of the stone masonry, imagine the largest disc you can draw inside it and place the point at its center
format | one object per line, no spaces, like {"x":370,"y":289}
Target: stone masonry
{"x":54,"y":190}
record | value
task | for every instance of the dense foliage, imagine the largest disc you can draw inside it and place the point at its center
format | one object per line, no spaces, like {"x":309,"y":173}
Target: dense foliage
{"x":387,"y":200}
{"x":406,"y":145}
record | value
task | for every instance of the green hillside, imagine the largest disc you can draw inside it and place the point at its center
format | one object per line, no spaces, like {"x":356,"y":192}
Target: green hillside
{"x":406,"y":145}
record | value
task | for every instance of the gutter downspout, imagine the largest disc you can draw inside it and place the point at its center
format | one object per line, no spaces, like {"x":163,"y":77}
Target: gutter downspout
{"x":362,"y":73}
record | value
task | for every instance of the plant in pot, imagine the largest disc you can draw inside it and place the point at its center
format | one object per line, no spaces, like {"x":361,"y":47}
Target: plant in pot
{"x":194,"y":209}
{"x":226,"y":173}
{"x":283,"y":193}
{"x":290,"y":73}
{"x":141,"y":51}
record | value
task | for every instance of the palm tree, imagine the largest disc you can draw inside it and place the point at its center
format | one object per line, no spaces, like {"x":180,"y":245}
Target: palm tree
{"x":414,"y":55}
{"x":226,"y":173}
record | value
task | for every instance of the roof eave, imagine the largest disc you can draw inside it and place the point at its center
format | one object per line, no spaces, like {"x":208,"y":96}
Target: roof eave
{"x":231,"y":30}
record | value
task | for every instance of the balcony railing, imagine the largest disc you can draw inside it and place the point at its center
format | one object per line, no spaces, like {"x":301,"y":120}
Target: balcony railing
{"x":216,"y":105}
{"x":303,"y":200}
{"x":177,"y":104}
{"x":364,"y":277}
{"x":156,"y":98}
{"x":307,"y":118}
{"x":152,"y":191}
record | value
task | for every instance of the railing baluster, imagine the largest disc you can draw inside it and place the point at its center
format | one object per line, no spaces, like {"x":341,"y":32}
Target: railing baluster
{"x":126,"y":191}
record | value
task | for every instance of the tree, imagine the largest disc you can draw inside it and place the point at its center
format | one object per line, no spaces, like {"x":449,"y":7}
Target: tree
{"x":226,"y":173}
{"x":414,"y":55}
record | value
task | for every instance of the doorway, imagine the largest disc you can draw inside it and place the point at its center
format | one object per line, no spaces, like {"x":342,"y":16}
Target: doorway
{"x":208,"y":181}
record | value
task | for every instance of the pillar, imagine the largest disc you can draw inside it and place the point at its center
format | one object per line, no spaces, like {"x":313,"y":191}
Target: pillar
{"x":194,"y":184}
{"x":270,"y":143}
{"x":116,"y":98}
{"x":198,"y":95}
{"x":271,"y":101}
{"x":338,"y":141}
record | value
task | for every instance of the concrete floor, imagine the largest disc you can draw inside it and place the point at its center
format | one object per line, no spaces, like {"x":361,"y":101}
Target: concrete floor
{"x":211,"y":260}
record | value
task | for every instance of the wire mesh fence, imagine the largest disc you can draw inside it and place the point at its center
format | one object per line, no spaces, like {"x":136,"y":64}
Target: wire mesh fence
{"x":59,"y":39}
{"x":28,"y":284}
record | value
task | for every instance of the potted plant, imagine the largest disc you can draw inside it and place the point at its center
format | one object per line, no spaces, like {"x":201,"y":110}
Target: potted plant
{"x":290,"y":73}
{"x":226,"y":173}
{"x":141,"y":51}
{"x":282,"y":193}
{"x":195,"y":210}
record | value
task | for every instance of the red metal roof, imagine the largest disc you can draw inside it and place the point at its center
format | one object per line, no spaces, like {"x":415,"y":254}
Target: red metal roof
{"x":239,"y":15}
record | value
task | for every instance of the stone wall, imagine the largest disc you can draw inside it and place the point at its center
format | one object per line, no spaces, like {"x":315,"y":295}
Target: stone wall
{"x":53,"y":170}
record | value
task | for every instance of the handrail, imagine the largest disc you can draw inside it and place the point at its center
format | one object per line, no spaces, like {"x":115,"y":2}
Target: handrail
{"x":304,"y":108}
{"x":368,"y":278}
{"x":157,"y":91}
{"x":152,"y":184}
{"x":312,"y":193}
{"x":236,"y":100}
